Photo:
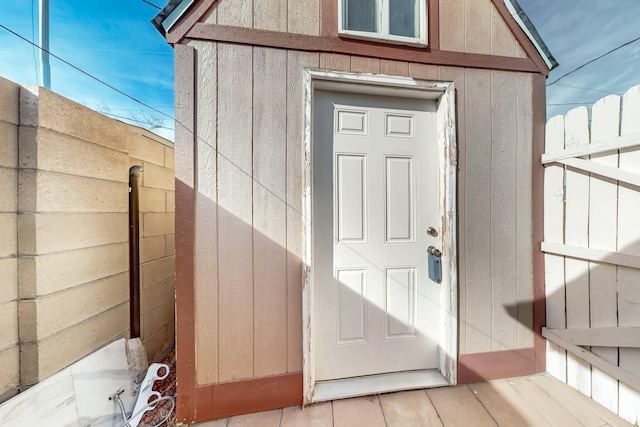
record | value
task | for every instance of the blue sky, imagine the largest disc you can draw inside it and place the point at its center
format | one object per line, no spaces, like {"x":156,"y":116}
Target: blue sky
{"x":112,"y":40}
{"x":115,"y":41}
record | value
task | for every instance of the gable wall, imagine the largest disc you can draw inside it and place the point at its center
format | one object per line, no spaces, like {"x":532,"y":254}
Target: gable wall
{"x":248,"y":238}
{"x":469,"y":26}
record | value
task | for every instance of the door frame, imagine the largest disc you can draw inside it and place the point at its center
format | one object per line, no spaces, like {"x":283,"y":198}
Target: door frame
{"x":376,"y":84}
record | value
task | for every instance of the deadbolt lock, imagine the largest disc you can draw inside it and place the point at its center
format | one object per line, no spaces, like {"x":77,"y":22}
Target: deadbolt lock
{"x":432,"y":231}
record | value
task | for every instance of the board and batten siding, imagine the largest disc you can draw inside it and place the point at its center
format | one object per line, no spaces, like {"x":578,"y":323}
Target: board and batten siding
{"x":482,"y":29}
{"x":248,"y":206}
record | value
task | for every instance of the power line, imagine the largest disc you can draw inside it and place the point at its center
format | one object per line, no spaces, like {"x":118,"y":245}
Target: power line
{"x":593,"y":60}
{"x":176,"y":121}
{"x":91,"y":76}
{"x":585,"y":88}
{"x":151,"y":4}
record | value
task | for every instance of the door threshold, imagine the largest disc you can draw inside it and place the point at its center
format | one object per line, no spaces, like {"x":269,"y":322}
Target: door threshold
{"x":376,"y":384}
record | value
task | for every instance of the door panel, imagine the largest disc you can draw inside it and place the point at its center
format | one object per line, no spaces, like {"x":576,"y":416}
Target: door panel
{"x":375,"y":193}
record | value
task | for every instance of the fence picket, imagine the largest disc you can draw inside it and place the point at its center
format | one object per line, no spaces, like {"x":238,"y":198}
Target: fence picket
{"x":603,"y":208}
{"x":592,"y":242}
{"x":553,"y":232}
{"x":576,"y":233}
{"x":629,"y":242}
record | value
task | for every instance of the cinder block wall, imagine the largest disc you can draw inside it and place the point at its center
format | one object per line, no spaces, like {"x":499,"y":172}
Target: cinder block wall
{"x":73,"y":233}
{"x":9,"y":349}
{"x":157,"y":216}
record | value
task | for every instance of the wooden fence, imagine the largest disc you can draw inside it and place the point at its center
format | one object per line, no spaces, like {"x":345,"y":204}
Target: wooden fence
{"x":592,"y":251}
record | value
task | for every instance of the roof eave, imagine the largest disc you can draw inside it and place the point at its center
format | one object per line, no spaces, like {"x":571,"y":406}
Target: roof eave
{"x":170,"y":14}
{"x":530,"y":30}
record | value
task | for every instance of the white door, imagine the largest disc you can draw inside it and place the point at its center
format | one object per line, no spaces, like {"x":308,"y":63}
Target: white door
{"x":375,"y":195}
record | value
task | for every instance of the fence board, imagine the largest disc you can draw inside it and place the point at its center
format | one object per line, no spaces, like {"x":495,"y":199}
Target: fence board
{"x":576,"y":233}
{"x":599,"y":227}
{"x":554,"y":233}
{"x":628,"y":278}
{"x":602,"y":235}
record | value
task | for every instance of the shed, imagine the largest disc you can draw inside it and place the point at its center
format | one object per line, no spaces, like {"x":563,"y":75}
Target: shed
{"x":358,"y":198}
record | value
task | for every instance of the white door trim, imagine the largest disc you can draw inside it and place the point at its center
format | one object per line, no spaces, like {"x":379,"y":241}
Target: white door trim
{"x":373,"y":84}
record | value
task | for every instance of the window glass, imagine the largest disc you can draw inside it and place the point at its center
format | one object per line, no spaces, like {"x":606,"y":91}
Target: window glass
{"x":360,"y":15}
{"x":403,"y":18}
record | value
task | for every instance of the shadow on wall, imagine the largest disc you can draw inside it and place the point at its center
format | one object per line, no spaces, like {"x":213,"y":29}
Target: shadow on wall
{"x":247,"y":304}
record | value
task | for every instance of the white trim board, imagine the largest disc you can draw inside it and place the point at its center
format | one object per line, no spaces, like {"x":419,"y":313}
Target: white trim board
{"x":382,"y":85}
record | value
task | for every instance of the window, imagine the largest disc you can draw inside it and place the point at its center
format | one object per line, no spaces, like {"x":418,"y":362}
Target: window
{"x":397,"y":21}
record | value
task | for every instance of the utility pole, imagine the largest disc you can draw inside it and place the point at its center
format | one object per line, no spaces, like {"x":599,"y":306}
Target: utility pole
{"x":45,"y":69}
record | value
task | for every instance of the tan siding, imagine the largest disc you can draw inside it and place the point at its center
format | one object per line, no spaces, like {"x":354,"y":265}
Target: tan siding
{"x":524,"y":208}
{"x":361,"y":64}
{"x":235,"y":216}
{"x":270,"y":15}
{"x":206,"y":253}
{"x":503,"y":210}
{"x":259,"y":191}
{"x":503,"y":42}
{"x":423,"y":71}
{"x":304,"y":17}
{"x":236,"y":13}
{"x":394,"y":68}
{"x":452,"y":25}
{"x":477,"y":16}
{"x":476,"y":314}
{"x":476,"y":26}
{"x":269,"y":212}
{"x":295,"y":62}
{"x":335,"y":61}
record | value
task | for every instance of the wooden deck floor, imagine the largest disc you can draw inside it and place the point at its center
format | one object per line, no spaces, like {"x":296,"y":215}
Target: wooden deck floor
{"x":538,"y":400}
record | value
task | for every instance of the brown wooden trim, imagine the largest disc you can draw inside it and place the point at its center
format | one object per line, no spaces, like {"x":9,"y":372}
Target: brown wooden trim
{"x":190,"y":17}
{"x":539,"y":299}
{"x":248,"y":396}
{"x":495,"y":365}
{"x":185,"y":231}
{"x":275,"y":39}
{"x":433,"y":16}
{"x":329,"y":18}
{"x":522,"y":38}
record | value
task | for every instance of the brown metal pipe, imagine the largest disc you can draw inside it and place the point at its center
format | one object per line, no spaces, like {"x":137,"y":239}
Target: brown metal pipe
{"x":135,"y":174}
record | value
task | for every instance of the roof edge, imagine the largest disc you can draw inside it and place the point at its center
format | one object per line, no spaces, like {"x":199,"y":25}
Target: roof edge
{"x":170,"y":14}
{"x":530,"y":30}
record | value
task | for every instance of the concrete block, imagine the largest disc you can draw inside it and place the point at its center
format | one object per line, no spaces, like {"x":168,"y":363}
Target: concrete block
{"x":156,"y":343}
{"x":9,"y":101}
{"x":158,"y":177}
{"x":155,"y":296}
{"x":8,"y":279}
{"x":9,"y":322}
{"x":170,"y":158}
{"x":158,"y":271}
{"x":46,"y":274}
{"x":9,"y":233}
{"x":144,"y":148}
{"x":156,"y":224}
{"x":171,"y":244}
{"x":9,"y":190}
{"x":43,"y":108}
{"x":152,"y":248}
{"x":78,"y":304}
{"x":52,"y":232}
{"x":156,"y":319}
{"x":152,"y":200}
{"x":47,"y":150}
{"x":72,"y":344}
{"x":51,"y":192}
{"x":8,"y":144}
{"x":10,"y":372}
{"x":171,"y":201}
